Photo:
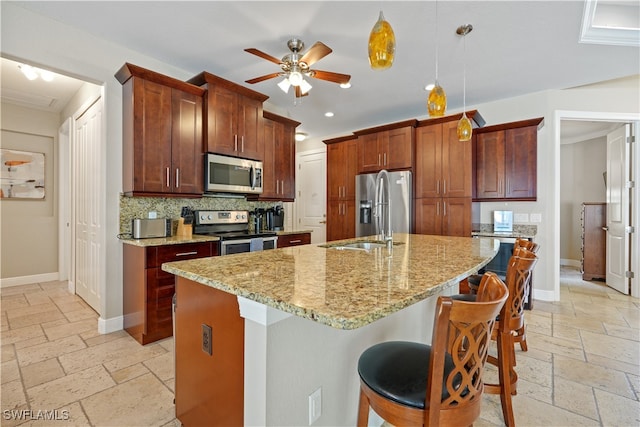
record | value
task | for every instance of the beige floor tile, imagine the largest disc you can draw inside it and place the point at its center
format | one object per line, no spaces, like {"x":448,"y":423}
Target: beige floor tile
{"x":566,"y":332}
{"x":613,"y":364}
{"x":35,"y":298}
{"x":173,"y":423}
{"x":167,"y":343}
{"x":13,"y":302}
{"x":631,"y":315}
{"x":622,"y":332}
{"x":534,"y":413}
{"x":634,"y":379}
{"x":143,"y":401}
{"x":575,"y":397}
{"x":12,"y":396}
{"x":31,"y":342}
{"x":593,"y":376}
{"x":9,"y":371}
{"x":93,"y":337}
{"x":81,"y":314}
{"x":21,"y":334}
{"x":41,"y":372}
{"x":616,"y":410}
{"x":30,"y":309}
{"x":171,"y":384}
{"x":615,"y":348}
{"x":35,"y":318}
{"x":70,"y":415}
{"x":138,"y":355}
{"x":555,"y":345}
{"x":162,"y":366}
{"x":129,"y":373}
{"x":22,"y":289}
{"x":66,"y":329}
{"x":47,"y":350}
{"x":70,"y":388}
{"x":565,"y":308}
{"x":4,"y":322}
{"x":534,"y":391}
{"x":72,"y":305}
{"x":534,"y":370}
{"x":8,"y":352}
{"x":580,"y":322}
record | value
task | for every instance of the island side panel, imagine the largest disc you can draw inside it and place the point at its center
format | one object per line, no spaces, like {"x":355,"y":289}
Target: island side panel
{"x":209,"y":388}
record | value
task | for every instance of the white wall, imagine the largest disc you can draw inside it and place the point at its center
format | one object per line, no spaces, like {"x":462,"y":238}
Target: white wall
{"x":29,"y":246}
{"x":581,"y":180}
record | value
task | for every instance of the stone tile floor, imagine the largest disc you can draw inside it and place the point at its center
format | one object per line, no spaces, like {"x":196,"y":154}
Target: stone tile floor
{"x":582,"y":367}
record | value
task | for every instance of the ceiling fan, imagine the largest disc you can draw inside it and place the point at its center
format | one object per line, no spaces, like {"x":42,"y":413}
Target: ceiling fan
{"x":295,"y":66}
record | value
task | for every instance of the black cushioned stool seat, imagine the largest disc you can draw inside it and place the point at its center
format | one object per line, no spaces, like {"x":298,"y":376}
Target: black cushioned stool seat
{"x":398,"y":370}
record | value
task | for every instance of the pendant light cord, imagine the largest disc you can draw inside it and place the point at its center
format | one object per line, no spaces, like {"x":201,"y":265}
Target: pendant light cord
{"x":464,"y":77}
{"x":437,"y":42}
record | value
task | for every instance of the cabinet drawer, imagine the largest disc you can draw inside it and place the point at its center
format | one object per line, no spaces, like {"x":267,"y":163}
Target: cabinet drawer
{"x":294,"y":240}
{"x":157,"y":255}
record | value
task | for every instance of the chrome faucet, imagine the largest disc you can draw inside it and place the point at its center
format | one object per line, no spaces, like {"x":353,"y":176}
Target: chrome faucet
{"x":382,"y":203}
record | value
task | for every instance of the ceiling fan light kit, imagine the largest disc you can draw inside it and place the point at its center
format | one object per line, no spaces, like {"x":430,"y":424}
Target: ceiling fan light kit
{"x":382,"y":45}
{"x":464,"y":129}
{"x":295,"y":66}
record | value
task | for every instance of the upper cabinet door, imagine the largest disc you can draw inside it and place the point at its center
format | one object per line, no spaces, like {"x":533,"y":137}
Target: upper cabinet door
{"x":457,"y":163}
{"x":186,"y":142}
{"x":398,"y":153}
{"x":521,"y":163}
{"x":428,"y":170}
{"x":490,"y":165}
{"x":222,"y":121}
{"x":249,"y":128}
{"x":369,"y":155}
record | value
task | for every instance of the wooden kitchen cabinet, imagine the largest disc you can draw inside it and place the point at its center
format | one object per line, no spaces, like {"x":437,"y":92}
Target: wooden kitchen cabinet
{"x":594,"y":241}
{"x":233,"y":123}
{"x":297,"y":239}
{"x":445,"y":216}
{"x":341,"y":219}
{"x":342,"y":168}
{"x":148,"y":290}
{"x":162,"y":134}
{"x":386,"y":147}
{"x":279,"y":173}
{"x":505,"y":158}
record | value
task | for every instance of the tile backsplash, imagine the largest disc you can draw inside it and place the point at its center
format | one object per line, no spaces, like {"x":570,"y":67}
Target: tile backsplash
{"x":170,"y":207}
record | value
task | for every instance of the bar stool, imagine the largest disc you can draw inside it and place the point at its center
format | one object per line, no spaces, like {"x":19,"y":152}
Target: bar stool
{"x":510,"y":321}
{"x":410,"y":383}
{"x":474,"y":280}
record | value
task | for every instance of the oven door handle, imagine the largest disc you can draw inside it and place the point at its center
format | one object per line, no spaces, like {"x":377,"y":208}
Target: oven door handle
{"x":235,"y":242}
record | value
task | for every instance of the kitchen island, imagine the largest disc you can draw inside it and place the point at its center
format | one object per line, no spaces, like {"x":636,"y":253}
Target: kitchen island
{"x":258,"y":333}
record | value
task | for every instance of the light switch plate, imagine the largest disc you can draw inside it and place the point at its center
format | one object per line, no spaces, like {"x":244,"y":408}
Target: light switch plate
{"x":536,"y":217}
{"x":315,"y":405}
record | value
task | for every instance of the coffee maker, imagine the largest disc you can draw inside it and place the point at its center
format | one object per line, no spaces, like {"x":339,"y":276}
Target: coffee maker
{"x":275,"y":218}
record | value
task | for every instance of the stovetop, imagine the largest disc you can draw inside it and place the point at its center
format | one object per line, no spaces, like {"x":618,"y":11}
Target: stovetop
{"x":227,"y":225}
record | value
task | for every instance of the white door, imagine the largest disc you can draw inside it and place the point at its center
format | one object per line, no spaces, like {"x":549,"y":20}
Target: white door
{"x":87,"y":193}
{"x":618,"y":208}
{"x":311,"y":199}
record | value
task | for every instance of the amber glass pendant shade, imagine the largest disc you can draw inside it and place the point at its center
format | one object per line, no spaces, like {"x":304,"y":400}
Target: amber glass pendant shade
{"x":465,"y":129}
{"x":382,"y":45}
{"x":437,"y":101}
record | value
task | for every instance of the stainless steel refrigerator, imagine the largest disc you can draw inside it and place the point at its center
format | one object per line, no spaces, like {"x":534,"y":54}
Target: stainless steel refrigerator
{"x":401,"y":212}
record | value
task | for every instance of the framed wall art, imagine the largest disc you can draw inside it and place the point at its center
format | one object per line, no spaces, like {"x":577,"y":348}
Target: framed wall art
{"x":21,"y":175}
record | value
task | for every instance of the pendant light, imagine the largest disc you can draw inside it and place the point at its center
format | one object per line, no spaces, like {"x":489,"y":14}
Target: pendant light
{"x":465,"y":129}
{"x":437,"y":100}
{"x":382,"y":45}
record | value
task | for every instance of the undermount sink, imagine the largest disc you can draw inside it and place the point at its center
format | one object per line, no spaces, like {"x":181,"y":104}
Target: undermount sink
{"x":359,"y":245}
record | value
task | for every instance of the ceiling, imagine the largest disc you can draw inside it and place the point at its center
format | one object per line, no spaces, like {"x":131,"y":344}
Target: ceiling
{"x":515,"y":48}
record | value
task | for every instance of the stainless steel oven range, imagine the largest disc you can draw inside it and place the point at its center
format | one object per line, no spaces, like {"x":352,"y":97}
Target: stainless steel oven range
{"x":232,"y":227}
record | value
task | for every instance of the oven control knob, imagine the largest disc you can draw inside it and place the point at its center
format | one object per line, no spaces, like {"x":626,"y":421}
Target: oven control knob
{"x":202,"y":217}
{"x":209,"y":217}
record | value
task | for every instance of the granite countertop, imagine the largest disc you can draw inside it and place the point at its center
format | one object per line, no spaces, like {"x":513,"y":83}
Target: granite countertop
{"x":288,"y":231}
{"x":344,"y":289}
{"x":173,"y":240}
{"x":519,"y":230}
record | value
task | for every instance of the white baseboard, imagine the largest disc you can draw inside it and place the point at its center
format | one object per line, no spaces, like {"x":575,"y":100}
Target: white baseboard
{"x":28,"y":280}
{"x":571,"y":262}
{"x":106,"y":326}
{"x":543,"y":295}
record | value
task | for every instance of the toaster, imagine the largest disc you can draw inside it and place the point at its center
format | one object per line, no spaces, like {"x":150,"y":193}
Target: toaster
{"x":147,"y":228}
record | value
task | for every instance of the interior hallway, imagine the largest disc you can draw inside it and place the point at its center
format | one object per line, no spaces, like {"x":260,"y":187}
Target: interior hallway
{"x":582,"y":367}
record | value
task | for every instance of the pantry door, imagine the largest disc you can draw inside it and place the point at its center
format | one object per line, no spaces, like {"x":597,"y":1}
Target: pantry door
{"x":87,"y":199}
{"x":618,"y":208}
{"x":311,"y":202}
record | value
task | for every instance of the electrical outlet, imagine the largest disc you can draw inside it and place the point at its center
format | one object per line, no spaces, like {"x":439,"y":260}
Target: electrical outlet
{"x":315,"y":405}
{"x":206,"y":339}
{"x":520,"y":218}
{"x":536,"y":217}
{"x":153,"y":215}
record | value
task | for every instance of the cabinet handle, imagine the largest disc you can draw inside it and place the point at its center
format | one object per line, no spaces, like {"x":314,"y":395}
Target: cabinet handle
{"x":444,"y":186}
{"x":177,"y":177}
{"x":438,"y":187}
{"x":444,"y":208}
{"x":385,"y":159}
{"x":167,"y":177}
{"x":438,"y":209}
{"x":295,"y":241}
{"x":187,"y":253}
{"x":379,"y":159}
{"x":242,"y":143}
{"x":235,"y":142}
{"x":277,"y":186}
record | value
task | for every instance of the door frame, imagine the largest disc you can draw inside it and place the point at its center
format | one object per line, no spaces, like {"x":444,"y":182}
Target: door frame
{"x":634,"y":119}
{"x":296,"y":209}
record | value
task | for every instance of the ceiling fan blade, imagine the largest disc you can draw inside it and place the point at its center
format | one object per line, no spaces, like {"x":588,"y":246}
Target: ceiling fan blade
{"x":263,"y":78}
{"x":331,"y":77}
{"x":263,"y":55}
{"x":318,"y":51}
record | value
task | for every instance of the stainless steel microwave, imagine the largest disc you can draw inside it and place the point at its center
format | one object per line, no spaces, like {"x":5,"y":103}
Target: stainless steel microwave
{"x":224,"y":174}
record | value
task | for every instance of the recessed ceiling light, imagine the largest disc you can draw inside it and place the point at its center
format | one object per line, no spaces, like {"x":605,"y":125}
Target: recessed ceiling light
{"x":301,"y":136}
{"x":328,"y":114}
{"x":345,"y":85}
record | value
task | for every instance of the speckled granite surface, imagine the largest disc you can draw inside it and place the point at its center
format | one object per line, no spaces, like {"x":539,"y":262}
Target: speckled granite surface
{"x":519,"y":230}
{"x":344,"y":289}
{"x":173,"y":240}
